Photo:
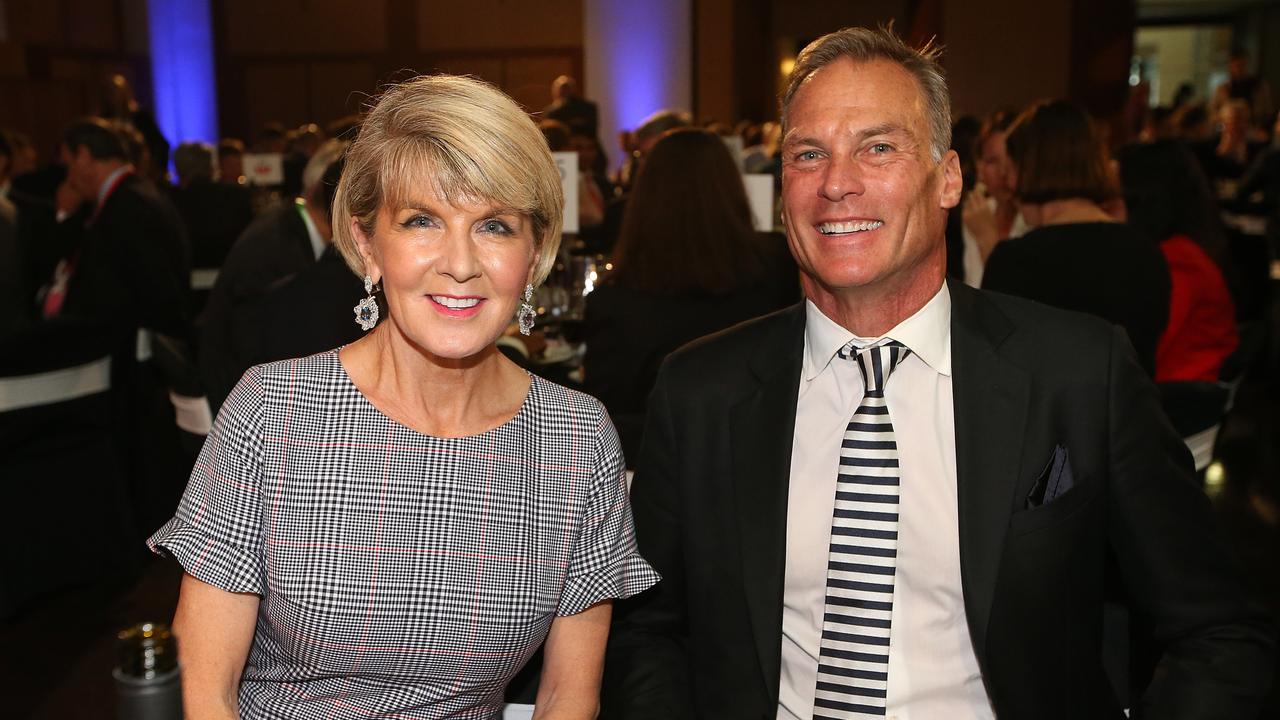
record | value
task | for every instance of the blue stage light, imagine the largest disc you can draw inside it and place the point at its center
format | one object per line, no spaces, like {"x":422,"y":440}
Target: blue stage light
{"x":186,"y":105}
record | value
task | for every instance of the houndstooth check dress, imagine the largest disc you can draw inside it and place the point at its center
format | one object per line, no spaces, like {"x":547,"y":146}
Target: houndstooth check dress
{"x":401,"y":575}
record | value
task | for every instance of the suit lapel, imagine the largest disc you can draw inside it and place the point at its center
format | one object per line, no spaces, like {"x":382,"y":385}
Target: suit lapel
{"x":761,"y":433}
{"x":990,"y":396}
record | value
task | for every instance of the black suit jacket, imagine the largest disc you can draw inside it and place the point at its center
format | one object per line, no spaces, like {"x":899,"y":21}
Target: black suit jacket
{"x":132,"y":264}
{"x":274,"y":247}
{"x":710,"y":500}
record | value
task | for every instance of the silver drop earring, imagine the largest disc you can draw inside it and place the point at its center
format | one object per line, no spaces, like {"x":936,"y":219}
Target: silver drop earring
{"x":527,"y":314}
{"x":367,"y":309}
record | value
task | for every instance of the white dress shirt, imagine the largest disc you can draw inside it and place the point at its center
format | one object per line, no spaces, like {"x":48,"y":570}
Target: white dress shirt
{"x":933,"y":672}
{"x":318,"y":243}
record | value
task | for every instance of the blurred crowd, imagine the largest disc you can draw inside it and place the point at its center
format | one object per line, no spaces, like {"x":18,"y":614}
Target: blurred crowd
{"x":185,"y":271}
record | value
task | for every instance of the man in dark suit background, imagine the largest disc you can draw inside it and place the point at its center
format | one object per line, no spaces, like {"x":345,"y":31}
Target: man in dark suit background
{"x":130,"y":267}
{"x":568,"y":107}
{"x":903,"y":496}
{"x":126,"y":268}
{"x":279,"y":244}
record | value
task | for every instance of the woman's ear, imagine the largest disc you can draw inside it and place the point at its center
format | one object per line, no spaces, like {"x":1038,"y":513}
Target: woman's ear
{"x":364,"y":244}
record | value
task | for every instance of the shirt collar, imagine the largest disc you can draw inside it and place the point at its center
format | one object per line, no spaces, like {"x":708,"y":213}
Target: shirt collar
{"x":317,"y":243}
{"x":110,"y":182}
{"x":927,"y":333}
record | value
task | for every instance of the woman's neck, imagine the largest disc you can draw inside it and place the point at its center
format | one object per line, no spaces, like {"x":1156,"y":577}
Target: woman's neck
{"x":438,"y":396}
{"x":1071,"y":210}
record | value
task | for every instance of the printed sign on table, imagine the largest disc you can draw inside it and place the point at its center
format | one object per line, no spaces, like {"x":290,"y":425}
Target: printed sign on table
{"x":264,"y":168}
{"x":760,"y":196}
{"x":567,"y":163}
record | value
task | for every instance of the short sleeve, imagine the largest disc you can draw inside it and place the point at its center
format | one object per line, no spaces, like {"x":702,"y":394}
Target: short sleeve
{"x":605,"y":563}
{"x":216,"y":534}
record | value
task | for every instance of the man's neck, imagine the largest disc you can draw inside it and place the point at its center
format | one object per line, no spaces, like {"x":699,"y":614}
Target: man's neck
{"x":872,"y":311}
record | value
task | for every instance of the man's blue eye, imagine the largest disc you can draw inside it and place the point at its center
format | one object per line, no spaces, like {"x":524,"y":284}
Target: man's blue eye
{"x":881,"y":148}
{"x":808,"y":155}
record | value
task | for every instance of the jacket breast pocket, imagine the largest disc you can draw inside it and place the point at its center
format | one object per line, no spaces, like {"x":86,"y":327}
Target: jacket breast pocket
{"x":1064,"y":509}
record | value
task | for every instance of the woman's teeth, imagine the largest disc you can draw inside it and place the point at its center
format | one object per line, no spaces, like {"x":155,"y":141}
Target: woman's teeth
{"x":456,"y":303}
{"x":839,"y":228}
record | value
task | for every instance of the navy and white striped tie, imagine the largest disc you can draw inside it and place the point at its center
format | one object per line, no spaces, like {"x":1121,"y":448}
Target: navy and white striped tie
{"x":853,"y":663}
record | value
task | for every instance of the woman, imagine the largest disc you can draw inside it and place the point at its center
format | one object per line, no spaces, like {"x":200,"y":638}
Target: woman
{"x":1077,"y":257}
{"x":688,"y":263}
{"x":992,"y":201}
{"x":391,"y":529}
{"x":1169,"y":204}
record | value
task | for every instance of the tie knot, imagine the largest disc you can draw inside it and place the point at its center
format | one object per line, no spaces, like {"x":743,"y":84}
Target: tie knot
{"x":876,"y":362}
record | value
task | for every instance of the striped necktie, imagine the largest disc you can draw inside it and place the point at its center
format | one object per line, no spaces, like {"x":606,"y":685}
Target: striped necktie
{"x":853,"y":663}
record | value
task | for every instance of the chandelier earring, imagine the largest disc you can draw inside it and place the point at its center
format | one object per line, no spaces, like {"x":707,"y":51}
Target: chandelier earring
{"x":367,"y":309}
{"x":527,"y":314}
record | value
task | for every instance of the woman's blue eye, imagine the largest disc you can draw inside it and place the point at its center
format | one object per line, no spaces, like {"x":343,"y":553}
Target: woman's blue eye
{"x":418,"y":221}
{"x":496,"y":226}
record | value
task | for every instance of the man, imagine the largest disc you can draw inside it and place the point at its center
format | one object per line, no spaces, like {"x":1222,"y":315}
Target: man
{"x":129,"y":268}
{"x":278,"y":244}
{"x":214,"y":213}
{"x":571,"y":109}
{"x":849,"y":500}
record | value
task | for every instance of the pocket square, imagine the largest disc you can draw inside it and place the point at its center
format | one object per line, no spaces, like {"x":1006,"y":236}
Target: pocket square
{"x":1055,"y":481}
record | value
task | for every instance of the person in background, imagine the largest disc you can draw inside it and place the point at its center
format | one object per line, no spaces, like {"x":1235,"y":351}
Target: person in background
{"x":992,"y":207}
{"x":906,"y":497}
{"x":119,"y":103}
{"x":271,"y":139}
{"x":278,"y":244}
{"x":1192,"y":124}
{"x":689,"y":263}
{"x":590,"y":198}
{"x":392,"y":528}
{"x":1077,"y":256}
{"x":637,"y":144}
{"x":1158,"y":125}
{"x":964,"y":141}
{"x":762,"y":156}
{"x":301,"y":144}
{"x":131,"y":265}
{"x":1167,"y":201}
{"x":570,"y":108}
{"x":231,"y":161}
{"x":1254,"y":90}
{"x":307,"y":312}
{"x":213,"y":213}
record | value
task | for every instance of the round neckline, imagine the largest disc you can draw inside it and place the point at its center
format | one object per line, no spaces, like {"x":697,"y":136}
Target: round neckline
{"x":350,"y":384}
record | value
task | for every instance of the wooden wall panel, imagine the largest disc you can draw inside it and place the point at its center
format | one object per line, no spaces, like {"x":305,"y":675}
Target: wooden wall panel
{"x":304,"y":27}
{"x":92,"y":25}
{"x":277,"y":92}
{"x":481,"y":66}
{"x":35,"y":22}
{"x":473,"y":24}
{"x":528,"y":79}
{"x":339,"y":88}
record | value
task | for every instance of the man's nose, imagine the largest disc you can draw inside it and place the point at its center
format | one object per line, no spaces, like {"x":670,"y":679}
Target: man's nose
{"x":841,"y":179}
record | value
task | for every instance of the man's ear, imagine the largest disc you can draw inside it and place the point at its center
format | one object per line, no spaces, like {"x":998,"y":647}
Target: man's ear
{"x":364,"y":244}
{"x":952,"y":181}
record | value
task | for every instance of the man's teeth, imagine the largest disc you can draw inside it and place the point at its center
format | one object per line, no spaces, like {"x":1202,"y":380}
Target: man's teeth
{"x":848,"y":227}
{"x":456,"y":303}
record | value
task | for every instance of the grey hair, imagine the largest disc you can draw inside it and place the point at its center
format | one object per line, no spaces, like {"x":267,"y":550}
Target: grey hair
{"x":327,"y":155}
{"x":864,"y":45}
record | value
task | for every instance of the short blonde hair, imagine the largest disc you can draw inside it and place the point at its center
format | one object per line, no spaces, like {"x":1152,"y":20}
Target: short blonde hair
{"x":465,"y":138}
